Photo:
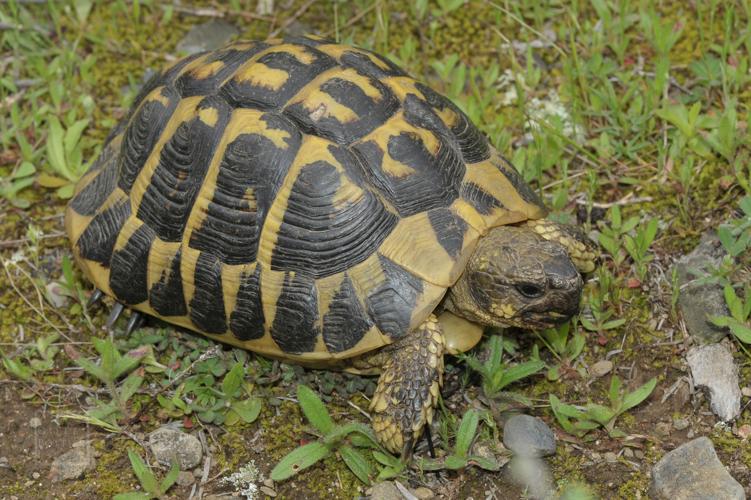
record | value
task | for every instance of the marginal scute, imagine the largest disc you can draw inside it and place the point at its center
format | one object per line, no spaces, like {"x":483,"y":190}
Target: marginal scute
{"x":247,"y":320}
{"x":98,"y":239}
{"x":295,"y":327}
{"x":346,"y":322}
{"x":207,"y":306}
{"x":129,"y":265}
{"x":391,"y":304}
{"x":166,"y":296}
{"x":96,"y":190}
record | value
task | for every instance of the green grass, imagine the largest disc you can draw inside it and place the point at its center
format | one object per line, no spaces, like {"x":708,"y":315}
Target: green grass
{"x":630,"y":117}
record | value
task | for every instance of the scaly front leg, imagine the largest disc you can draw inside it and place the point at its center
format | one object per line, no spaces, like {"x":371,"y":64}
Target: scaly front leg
{"x":409,"y":386}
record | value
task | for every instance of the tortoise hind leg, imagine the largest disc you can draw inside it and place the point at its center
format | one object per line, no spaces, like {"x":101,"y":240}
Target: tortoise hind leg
{"x":409,"y":386}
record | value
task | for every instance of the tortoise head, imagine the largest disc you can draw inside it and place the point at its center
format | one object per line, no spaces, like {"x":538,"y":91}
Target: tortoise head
{"x":515,"y":277}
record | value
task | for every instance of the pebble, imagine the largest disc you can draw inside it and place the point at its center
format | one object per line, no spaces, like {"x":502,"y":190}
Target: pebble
{"x":35,"y":475}
{"x":73,"y":464}
{"x":681,"y":423}
{"x":744,"y":431}
{"x":528,"y":436}
{"x":712,"y":366}
{"x":628,"y":452}
{"x":663,"y":428}
{"x":610,"y":457}
{"x":185,"y":478}
{"x":210,"y":35}
{"x":693,"y":471}
{"x":423,"y":493}
{"x":167,"y":443}
{"x":268,"y":491}
{"x":601,"y":368}
{"x":35,"y":422}
{"x":746,"y":391}
{"x":385,"y":490}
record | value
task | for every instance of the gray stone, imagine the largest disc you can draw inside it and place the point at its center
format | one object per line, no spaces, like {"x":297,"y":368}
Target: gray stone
{"x":693,"y":471}
{"x":35,"y":422}
{"x":601,"y":368}
{"x":712,"y":366}
{"x":698,"y":301}
{"x":533,"y":475}
{"x":185,"y":478}
{"x":207,"y":36}
{"x":73,"y":464}
{"x":167,"y":443}
{"x":528,"y":436}
{"x":385,"y":490}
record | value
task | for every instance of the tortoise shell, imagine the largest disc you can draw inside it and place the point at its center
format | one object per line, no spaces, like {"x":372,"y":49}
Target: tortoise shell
{"x":296,"y":197}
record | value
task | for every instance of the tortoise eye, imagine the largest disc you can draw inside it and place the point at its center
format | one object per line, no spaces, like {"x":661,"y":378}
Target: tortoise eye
{"x":530,"y":290}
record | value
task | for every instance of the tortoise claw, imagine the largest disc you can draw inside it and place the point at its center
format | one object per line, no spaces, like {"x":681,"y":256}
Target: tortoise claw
{"x":135,"y":322}
{"x":96,"y":298}
{"x":117,"y":309}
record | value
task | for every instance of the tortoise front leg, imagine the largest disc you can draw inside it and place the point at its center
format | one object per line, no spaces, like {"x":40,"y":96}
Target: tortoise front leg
{"x":409,"y":386}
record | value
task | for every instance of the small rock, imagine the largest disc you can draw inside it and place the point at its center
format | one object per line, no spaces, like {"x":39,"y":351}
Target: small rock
{"x":56,"y":294}
{"x":35,"y":422}
{"x":639,"y":454}
{"x":207,"y":36}
{"x":693,"y":471}
{"x":533,"y":475}
{"x":35,"y":475}
{"x":628,"y":452}
{"x":73,"y":464}
{"x":268,"y":491}
{"x":744,"y":431}
{"x":528,"y":436}
{"x":601,"y":368}
{"x":699,"y":300}
{"x":663,"y":428}
{"x":385,"y":490}
{"x":746,"y":391}
{"x":610,"y":457}
{"x":712,"y":366}
{"x":185,"y":478}
{"x":681,"y":423}
{"x":167,"y":443}
{"x":423,"y":493}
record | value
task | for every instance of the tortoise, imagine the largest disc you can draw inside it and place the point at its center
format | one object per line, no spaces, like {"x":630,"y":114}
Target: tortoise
{"x":311,"y":202}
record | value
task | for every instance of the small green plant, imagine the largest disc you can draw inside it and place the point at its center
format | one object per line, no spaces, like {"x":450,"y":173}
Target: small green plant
{"x":65,"y":155}
{"x":112,"y":367}
{"x":21,"y":178}
{"x":736,"y":236}
{"x":344,"y":439}
{"x":638,"y":245}
{"x":580,"y":420}
{"x":600,"y":309}
{"x":564,"y":346}
{"x":152,"y":488}
{"x":611,"y":236}
{"x":740,"y":310}
{"x":38,"y":360}
{"x":497,"y":374}
{"x":460,"y":457}
{"x":229,"y":404}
